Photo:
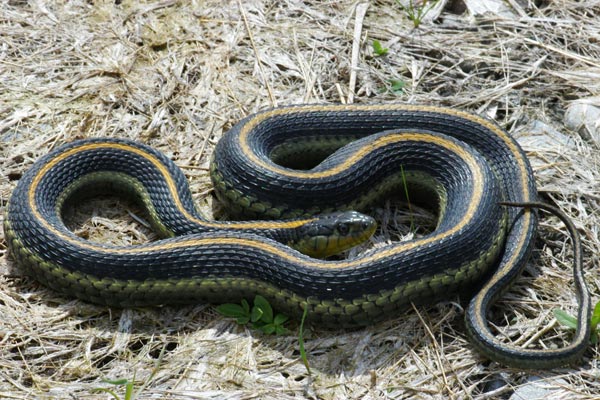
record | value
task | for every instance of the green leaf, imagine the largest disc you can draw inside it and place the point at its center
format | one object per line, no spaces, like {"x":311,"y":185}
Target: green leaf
{"x":379,"y":49}
{"x":596,"y":316}
{"x":416,"y":12}
{"x":565,"y":319}
{"x":280,"y":319}
{"x":269,"y":329}
{"x":129,"y":391}
{"x":397,"y":85}
{"x":256,"y":314}
{"x":115,"y":381}
{"x":265,"y":307}
{"x":232,"y":310}
{"x":246,"y":306}
{"x":281,"y":330}
{"x":261,"y":315}
{"x":104,"y":390}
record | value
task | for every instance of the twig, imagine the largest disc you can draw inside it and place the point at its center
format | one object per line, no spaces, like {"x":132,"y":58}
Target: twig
{"x":436,"y":350}
{"x":361,"y":11}
{"x":258,"y":60}
{"x":568,"y":54}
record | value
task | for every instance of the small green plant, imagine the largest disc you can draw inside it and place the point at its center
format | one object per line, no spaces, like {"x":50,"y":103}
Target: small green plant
{"x":378,"y":49}
{"x":119,"y":382}
{"x":129,"y":393}
{"x":571,"y":322}
{"x":260,"y":315}
{"x":412,"y":221}
{"x":416,"y":10}
{"x":397,"y":86}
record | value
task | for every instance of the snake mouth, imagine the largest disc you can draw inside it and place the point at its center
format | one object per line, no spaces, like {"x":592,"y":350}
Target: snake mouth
{"x":334,"y":233}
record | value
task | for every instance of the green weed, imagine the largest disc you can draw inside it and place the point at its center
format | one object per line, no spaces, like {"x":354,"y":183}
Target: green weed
{"x":378,"y":49}
{"x":129,"y":393}
{"x":571,"y":322}
{"x":417,"y":11}
{"x":260,"y":315}
{"x":119,"y":382}
{"x":410,"y":212}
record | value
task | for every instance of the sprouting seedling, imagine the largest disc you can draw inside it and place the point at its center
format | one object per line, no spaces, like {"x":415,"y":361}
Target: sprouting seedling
{"x":378,"y":48}
{"x":571,"y":322}
{"x":119,"y":382}
{"x":129,"y":384}
{"x":261,"y":316}
{"x":416,"y":12}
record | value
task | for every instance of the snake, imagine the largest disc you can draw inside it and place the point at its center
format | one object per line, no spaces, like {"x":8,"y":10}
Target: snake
{"x":300,"y":180}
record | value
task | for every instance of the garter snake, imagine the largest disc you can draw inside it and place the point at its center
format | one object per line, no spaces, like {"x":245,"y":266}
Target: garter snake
{"x":462,"y":164}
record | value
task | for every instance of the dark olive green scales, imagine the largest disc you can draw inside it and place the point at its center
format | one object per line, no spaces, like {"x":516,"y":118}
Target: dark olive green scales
{"x":460,"y":163}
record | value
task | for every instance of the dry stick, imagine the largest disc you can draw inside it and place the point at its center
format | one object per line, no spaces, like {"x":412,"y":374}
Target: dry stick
{"x":540,"y":333}
{"x":568,"y":54}
{"x":494,"y":93}
{"x":361,"y":11}
{"x":258,"y":60}
{"x":305,"y":67}
{"x":338,"y":87}
{"x":44,"y":10}
{"x":436,"y":351}
{"x":307,"y":70}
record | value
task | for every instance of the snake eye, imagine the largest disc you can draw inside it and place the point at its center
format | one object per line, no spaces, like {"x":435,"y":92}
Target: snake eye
{"x":343,"y":229}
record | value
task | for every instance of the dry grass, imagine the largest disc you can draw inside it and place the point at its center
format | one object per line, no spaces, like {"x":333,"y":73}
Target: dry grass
{"x":177,"y":74}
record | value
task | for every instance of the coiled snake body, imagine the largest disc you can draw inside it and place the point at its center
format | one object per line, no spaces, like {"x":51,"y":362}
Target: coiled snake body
{"x":465,"y":163}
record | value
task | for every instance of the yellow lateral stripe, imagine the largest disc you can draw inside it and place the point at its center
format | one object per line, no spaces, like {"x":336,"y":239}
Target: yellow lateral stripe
{"x":168,"y":179}
{"x":476,"y":198}
{"x":259,"y":118}
{"x":249,"y":127}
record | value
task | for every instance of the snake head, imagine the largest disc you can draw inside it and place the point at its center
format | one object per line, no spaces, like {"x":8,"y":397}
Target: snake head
{"x":333,"y":233}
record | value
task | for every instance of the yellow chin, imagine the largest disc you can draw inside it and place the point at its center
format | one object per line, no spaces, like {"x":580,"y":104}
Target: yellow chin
{"x":326,"y":246}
